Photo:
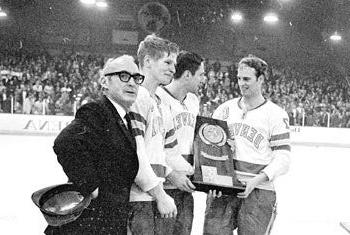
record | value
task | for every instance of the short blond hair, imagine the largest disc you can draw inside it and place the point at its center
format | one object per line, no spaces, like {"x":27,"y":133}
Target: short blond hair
{"x":155,"y":47}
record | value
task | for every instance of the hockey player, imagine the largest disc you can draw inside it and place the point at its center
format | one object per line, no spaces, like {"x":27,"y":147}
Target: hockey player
{"x":260,"y":132}
{"x":184,"y":105}
{"x":153,"y":130}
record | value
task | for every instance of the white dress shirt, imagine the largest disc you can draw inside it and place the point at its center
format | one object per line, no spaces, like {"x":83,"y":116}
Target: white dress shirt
{"x":120,"y":110}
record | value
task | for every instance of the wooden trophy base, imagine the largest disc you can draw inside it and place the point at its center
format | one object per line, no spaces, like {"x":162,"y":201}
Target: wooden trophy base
{"x":226,"y":190}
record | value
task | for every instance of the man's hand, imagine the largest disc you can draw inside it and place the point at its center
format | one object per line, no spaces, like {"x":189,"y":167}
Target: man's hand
{"x":181,"y":181}
{"x":213,"y":194}
{"x":251,"y":185}
{"x":165,"y":204}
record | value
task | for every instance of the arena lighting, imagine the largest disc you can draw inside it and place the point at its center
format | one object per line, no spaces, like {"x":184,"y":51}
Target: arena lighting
{"x":88,"y":2}
{"x":2,"y":13}
{"x":101,"y":4}
{"x":335,"y":37}
{"x":271,"y":18}
{"x":236,"y":17}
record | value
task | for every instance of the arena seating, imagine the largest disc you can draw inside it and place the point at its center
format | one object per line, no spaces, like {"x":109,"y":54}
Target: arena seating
{"x":35,"y":82}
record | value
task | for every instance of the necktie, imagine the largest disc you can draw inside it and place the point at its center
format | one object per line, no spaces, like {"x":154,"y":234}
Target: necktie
{"x":128,"y":121}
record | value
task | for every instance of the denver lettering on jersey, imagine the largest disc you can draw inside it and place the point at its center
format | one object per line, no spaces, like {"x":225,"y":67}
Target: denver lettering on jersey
{"x":184,"y":119}
{"x":246,"y":131}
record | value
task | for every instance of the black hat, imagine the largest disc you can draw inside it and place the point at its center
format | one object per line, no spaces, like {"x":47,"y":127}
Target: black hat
{"x":60,"y":204}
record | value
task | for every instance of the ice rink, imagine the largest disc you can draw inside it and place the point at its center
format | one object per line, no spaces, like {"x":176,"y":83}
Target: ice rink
{"x":312,"y":198}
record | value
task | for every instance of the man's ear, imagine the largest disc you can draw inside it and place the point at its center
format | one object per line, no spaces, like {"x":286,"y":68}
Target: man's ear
{"x":104,"y":82}
{"x":147,"y":61}
{"x":187,"y":74}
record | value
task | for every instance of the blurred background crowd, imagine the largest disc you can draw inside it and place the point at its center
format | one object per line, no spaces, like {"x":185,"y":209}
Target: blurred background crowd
{"x":35,"y":82}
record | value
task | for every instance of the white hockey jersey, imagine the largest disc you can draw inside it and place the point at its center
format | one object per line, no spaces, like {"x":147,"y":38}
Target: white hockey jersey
{"x":152,"y":129}
{"x":184,"y":116}
{"x":262,"y":139}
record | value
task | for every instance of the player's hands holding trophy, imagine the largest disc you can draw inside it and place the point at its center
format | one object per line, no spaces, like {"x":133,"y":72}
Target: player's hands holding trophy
{"x":251,"y":184}
{"x":181,"y":181}
{"x":214,"y":194}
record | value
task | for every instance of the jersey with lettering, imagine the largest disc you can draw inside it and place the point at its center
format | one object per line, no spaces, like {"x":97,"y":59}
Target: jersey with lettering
{"x":262,"y":139}
{"x":184,"y":116}
{"x":152,"y":129}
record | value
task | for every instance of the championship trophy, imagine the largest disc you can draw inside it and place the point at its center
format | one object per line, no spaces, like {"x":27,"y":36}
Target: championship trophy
{"x":213,"y":158}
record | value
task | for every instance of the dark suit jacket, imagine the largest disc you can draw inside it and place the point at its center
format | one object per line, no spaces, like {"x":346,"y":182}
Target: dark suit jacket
{"x":97,"y":151}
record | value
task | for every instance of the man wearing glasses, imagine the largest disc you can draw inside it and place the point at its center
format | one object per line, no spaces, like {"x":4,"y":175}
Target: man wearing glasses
{"x":98,"y":152}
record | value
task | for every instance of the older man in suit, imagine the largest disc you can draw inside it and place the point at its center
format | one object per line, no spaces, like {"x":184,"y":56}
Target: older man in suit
{"x":98,"y":153}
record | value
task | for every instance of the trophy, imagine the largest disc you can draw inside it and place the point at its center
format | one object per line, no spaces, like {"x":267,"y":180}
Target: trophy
{"x":213,"y":158}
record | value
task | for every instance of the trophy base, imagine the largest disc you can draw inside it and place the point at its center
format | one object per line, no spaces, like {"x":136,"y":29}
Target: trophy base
{"x":205,"y":187}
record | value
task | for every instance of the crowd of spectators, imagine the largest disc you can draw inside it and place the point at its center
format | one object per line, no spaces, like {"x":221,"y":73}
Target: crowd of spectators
{"x":310,"y":95}
{"x":36,"y":82}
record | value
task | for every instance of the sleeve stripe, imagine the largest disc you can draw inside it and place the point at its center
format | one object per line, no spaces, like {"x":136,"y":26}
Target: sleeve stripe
{"x":170,"y":133}
{"x":137,"y":117}
{"x":280,"y":142}
{"x":171,"y":145}
{"x":137,"y":132}
{"x":281,"y":147}
{"x":248,"y":167}
{"x":159,"y":170}
{"x":280,"y":136}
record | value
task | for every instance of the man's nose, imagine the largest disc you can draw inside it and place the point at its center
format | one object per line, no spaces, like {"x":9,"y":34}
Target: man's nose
{"x":172,"y":68}
{"x":132,"y":82}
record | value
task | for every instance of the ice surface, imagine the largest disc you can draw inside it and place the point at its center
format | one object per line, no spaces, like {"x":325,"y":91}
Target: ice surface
{"x":313,"y":198}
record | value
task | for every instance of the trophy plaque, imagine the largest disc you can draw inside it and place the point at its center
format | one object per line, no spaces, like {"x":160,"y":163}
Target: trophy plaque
{"x":213,"y":158}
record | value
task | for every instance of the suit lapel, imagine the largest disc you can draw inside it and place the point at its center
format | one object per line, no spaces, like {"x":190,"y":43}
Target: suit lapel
{"x":117,"y":122}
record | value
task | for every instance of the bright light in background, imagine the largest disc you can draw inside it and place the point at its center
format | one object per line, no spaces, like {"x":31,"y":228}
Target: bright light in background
{"x":2,"y":13}
{"x":88,"y":2}
{"x":271,"y":18}
{"x":237,"y":17}
{"x":101,"y":4}
{"x":335,"y":37}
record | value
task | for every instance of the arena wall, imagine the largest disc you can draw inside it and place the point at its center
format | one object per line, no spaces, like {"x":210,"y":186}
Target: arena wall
{"x":18,"y":124}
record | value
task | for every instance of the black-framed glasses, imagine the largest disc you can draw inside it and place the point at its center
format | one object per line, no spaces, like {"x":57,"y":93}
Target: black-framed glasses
{"x":125,"y":76}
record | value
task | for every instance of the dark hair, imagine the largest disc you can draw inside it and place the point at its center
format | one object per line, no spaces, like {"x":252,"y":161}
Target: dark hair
{"x":258,"y":64}
{"x":187,"y":61}
{"x":155,"y":47}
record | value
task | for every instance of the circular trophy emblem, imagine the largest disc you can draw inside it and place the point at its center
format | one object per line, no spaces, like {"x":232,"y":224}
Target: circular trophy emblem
{"x":212,"y":134}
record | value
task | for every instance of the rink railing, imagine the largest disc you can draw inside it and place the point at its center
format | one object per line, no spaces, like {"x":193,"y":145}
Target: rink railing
{"x":11,"y":108}
{"x":22,"y":124}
